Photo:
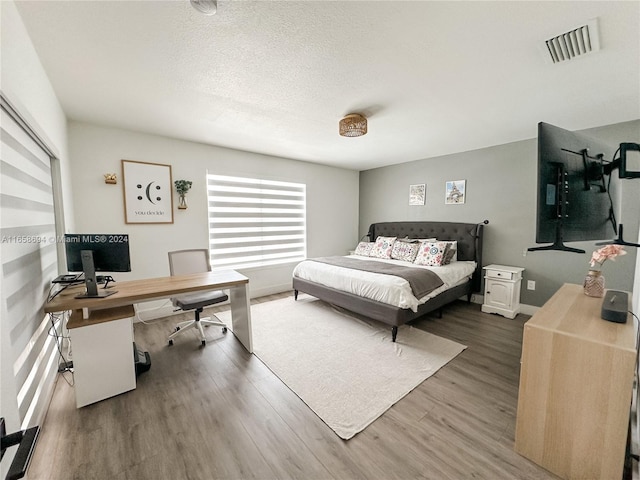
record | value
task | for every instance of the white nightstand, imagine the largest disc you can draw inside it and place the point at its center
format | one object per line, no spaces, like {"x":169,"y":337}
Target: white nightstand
{"x":502,"y":290}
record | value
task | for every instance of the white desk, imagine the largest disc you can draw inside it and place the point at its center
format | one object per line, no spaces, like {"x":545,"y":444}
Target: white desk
{"x":108,"y":332}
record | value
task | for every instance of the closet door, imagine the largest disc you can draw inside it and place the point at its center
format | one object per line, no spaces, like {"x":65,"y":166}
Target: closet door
{"x":29,"y":262}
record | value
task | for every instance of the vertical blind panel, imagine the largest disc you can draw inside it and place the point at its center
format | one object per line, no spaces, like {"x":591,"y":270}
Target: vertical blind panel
{"x":255,"y":222}
{"x":29,"y":261}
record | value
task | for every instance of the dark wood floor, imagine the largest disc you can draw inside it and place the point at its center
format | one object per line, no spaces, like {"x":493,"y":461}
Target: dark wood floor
{"x":218,"y":413}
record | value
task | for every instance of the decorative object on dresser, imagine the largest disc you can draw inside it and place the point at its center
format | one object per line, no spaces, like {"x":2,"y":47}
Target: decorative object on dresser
{"x":465,"y":241}
{"x":502,"y":290}
{"x":576,"y":382}
{"x":594,"y":281}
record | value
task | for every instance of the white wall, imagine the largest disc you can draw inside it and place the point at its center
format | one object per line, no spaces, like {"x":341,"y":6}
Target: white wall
{"x":25,"y":84}
{"x":332,"y":198}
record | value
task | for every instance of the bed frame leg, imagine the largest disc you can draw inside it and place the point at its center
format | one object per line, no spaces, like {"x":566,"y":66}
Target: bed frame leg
{"x":295,"y":294}
{"x":469,"y":297}
{"x":394,"y":333}
{"x":439,"y":313}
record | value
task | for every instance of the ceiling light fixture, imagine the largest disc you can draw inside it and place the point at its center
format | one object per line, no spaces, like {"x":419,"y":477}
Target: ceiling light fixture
{"x":353,"y":125}
{"x":207,"y":7}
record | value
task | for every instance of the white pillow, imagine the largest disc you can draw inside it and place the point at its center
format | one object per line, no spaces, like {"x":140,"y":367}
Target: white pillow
{"x":364,"y":249}
{"x":382,"y":247}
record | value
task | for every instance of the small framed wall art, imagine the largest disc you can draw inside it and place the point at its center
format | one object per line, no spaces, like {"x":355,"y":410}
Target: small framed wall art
{"x":455,"y":192}
{"x":417,"y":194}
{"x":148,"y":196}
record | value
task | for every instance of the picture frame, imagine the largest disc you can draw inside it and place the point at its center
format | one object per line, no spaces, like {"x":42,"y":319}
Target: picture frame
{"x":455,"y":192}
{"x":148,"y":192}
{"x":417,"y":194}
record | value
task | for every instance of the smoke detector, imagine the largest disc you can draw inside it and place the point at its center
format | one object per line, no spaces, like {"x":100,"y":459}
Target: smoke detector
{"x":577,"y":42}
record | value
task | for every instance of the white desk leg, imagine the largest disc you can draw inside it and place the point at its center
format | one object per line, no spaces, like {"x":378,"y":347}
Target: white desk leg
{"x":241,"y":315}
{"x":103,"y":360}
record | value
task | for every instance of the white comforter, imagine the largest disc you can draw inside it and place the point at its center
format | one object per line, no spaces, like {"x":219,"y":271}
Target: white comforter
{"x":381,"y":287}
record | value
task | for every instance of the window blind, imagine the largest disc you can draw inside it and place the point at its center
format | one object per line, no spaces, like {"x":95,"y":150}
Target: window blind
{"x":254,"y":222}
{"x":29,"y":263}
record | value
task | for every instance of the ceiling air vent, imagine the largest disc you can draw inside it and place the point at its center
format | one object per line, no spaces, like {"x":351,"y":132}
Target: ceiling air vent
{"x":575,"y":43}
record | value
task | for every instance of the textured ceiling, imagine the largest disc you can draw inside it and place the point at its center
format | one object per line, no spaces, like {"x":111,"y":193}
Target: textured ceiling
{"x":275,"y":77}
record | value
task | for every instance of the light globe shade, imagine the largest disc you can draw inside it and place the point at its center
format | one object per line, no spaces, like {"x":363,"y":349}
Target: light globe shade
{"x":353,"y":125}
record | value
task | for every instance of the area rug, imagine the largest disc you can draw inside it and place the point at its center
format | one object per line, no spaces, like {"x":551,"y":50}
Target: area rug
{"x":343,"y":366}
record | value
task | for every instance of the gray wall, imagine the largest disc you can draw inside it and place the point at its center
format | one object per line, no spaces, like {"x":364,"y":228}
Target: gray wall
{"x":501,"y":187}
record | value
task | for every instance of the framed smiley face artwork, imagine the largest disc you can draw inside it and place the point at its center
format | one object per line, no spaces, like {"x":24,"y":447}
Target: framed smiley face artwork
{"x":148,"y":196}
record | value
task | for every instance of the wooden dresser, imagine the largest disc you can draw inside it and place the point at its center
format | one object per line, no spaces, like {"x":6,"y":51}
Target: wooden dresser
{"x":576,"y":383}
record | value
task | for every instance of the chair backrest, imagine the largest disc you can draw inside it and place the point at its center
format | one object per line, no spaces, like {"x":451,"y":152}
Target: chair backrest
{"x":184,"y":262}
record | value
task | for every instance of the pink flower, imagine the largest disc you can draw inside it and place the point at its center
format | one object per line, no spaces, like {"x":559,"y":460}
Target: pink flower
{"x":605,"y":253}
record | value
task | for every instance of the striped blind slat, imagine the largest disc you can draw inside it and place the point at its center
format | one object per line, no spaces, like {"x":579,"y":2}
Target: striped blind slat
{"x":254,"y":222}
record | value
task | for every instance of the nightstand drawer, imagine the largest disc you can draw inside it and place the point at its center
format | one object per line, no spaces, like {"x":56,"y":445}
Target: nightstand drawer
{"x":500,"y":274}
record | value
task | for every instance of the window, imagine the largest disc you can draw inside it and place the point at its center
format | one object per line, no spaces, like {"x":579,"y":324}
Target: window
{"x":255,"y":222}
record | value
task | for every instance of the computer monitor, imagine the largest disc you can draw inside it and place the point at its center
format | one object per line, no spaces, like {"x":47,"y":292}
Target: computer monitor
{"x":91,"y":253}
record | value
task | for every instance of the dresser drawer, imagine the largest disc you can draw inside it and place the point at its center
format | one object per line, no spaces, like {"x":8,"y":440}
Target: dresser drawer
{"x":500,"y":274}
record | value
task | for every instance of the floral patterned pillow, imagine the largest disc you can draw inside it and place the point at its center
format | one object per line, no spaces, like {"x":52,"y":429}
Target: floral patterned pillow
{"x":382,"y":247}
{"x":431,"y":254}
{"x":364,"y":249}
{"x":405,"y":250}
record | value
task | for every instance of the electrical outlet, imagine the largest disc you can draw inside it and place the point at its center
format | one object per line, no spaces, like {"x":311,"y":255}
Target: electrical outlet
{"x":531,"y":284}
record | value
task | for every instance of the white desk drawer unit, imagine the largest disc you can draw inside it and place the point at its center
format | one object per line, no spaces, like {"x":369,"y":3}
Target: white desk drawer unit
{"x":502,"y":290}
{"x":102,"y":347}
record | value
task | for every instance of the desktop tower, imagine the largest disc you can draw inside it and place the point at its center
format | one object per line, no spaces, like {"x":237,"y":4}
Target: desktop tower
{"x":142,"y":360}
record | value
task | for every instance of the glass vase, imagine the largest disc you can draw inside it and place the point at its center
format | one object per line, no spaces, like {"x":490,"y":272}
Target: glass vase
{"x":182,"y":202}
{"x":594,"y":284}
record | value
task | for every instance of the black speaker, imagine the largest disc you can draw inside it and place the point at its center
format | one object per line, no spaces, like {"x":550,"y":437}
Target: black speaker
{"x":615,"y":306}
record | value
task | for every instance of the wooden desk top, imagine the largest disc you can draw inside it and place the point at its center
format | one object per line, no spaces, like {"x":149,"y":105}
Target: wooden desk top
{"x":135,"y":291}
{"x":571,"y":312}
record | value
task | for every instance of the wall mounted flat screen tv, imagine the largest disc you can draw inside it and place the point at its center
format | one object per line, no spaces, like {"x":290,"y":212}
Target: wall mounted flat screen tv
{"x":575,"y":198}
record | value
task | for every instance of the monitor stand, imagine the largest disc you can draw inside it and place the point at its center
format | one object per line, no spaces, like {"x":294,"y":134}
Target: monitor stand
{"x":90,"y":278}
{"x":558,"y":244}
{"x":620,"y":240}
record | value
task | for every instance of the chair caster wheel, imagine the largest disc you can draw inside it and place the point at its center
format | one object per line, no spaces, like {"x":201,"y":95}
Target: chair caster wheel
{"x":224,"y":329}
{"x":170,"y":342}
{"x":204,"y":343}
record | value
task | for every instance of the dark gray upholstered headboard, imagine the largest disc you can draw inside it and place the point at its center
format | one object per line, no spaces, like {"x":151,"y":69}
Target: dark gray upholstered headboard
{"x":468,"y":236}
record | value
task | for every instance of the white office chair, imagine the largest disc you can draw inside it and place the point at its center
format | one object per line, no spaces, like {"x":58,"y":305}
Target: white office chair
{"x":184,"y":262}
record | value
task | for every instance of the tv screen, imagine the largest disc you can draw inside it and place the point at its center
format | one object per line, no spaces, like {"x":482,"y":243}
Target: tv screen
{"x":575,"y":199}
{"x":110,"y":252}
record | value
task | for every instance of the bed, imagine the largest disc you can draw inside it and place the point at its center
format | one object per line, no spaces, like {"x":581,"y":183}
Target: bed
{"x":469,"y":251}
